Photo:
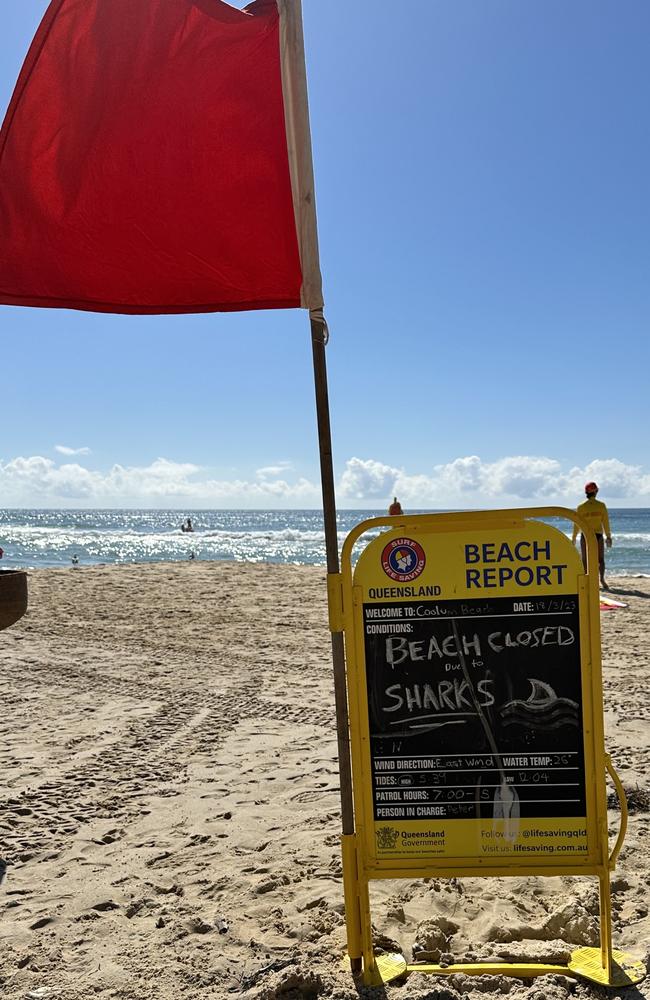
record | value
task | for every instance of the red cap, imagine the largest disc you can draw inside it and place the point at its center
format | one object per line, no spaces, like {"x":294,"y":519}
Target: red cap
{"x":591,"y":487}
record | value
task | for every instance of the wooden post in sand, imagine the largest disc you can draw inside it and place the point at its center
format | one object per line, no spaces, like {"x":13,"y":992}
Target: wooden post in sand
{"x":333,"y":567}
{"x":334,"y":593}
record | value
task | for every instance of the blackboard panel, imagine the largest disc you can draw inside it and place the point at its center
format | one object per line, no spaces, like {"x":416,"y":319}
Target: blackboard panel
{"x":475,"y":708}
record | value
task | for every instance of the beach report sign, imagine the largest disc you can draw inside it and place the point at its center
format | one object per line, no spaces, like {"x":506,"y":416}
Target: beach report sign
{"x":472,"y":701}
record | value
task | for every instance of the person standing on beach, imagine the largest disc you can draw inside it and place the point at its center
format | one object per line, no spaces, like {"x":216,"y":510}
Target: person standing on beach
{"x":595,"y":514}
{"x":395,"y":507}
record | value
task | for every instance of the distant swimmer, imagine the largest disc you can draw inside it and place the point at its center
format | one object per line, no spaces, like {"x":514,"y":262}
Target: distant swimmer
{"x":187,"y":525}
{"x":192,"y":554}
{"x":595,"y":514}
{"x":395,"y":507}
{"x":75,"y":561}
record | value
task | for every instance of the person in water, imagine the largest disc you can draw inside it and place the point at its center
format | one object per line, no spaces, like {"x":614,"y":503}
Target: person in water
{"x":595,"y":514}
{"x":395,"y":507}
{"x":187,"y":525}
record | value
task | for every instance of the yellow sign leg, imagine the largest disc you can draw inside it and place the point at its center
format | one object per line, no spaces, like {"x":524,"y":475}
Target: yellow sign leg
{"x":351,"y":896}
{"x":606,"y":926}
{"x":366,"y":931}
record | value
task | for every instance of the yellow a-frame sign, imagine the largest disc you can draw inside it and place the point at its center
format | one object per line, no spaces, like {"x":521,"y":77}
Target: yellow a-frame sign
{"x":476,"y":717}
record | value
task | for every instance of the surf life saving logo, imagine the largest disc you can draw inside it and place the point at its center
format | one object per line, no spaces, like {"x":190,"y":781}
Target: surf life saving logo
{"x":403,"y":559}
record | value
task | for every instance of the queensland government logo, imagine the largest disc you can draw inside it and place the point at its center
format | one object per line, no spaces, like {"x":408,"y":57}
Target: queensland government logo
{"x":387,"y":837}
{"x":403,"y":559}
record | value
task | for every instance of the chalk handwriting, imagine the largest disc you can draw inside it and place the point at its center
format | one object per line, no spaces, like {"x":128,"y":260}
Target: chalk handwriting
{"x":400,"y":649}
{"x":454,"y":695}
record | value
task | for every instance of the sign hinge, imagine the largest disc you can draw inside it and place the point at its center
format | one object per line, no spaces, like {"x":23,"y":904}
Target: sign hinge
{"x":335,"y":601}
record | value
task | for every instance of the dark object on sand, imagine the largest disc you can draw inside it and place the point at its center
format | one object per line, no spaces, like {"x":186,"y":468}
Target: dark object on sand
{"x":13,"y":596}
{"x":638,"y":799}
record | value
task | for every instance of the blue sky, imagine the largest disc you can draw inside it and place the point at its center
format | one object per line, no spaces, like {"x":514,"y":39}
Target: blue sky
{"x":482,"y":184}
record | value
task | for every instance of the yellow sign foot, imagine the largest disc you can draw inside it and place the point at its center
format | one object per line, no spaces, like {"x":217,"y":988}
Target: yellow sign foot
{"x":626,"y":970}
{"x":384,"y":970}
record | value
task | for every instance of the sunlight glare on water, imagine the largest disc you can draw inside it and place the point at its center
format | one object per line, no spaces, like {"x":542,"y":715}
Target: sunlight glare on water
{"x":39,"y":538}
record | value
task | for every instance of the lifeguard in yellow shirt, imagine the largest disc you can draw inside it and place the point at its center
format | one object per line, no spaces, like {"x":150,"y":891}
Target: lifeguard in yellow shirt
{"x":595,"y":514}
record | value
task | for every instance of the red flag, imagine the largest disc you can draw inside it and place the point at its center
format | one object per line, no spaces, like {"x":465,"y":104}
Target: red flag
{"x":145,"y":165}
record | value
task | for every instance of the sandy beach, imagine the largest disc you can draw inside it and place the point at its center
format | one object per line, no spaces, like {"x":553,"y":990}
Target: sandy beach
{"x":170,"y":808}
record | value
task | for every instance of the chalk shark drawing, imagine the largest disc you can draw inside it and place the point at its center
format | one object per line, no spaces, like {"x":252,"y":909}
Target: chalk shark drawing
{"x":542,"y":709}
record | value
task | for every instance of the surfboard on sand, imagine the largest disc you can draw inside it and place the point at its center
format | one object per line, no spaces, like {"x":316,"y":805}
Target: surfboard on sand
{"x":609,"y":604}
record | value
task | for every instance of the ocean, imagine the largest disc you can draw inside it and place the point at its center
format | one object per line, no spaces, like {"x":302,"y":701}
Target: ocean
{"x":34,"y":539}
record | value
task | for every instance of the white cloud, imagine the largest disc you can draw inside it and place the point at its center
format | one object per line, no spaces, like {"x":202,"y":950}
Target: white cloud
{"x":63,"y":449}
{"x":510,"y":481}
{"x":273,"y":471}
{"x":526,"y":477}
{"x":466,"y":482}
{"x":618,"y":480}
{"x":366,"y":479}
{"x":40,"y":482}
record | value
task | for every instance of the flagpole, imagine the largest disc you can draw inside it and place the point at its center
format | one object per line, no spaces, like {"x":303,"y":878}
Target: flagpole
{"x":301,"y":168}
{"x":318,"y":339}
